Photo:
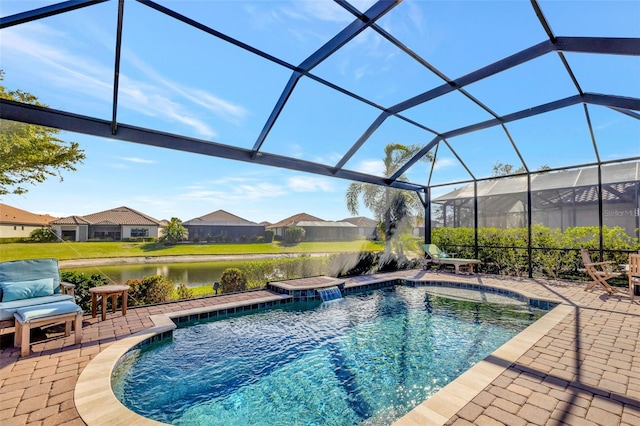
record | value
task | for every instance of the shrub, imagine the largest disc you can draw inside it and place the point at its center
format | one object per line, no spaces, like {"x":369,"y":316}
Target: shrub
{"x":83,"y":283}
{"x":43,"y":235}
{"x":8,"y":240}
{"x":232,"y":280}
{"x":268,"y":235}
{"x":554,"y":253}
{"x":150,"y":290}
{"x":294,"y":234}
{"x":183,"y":292}
{"x":346,"y":264}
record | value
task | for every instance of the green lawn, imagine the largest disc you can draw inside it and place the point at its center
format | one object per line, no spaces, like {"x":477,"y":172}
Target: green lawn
{"x":92,"y":250}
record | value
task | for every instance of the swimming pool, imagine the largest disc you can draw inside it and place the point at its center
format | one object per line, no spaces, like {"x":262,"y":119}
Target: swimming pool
{"x":368,"y":358}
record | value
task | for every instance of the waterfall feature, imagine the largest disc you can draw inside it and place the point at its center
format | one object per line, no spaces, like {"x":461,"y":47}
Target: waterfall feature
{"x":329,"y":293}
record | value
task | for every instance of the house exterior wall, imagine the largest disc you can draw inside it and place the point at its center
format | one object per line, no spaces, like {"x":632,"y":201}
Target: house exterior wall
{"x":71,"y":232}
{"x":17,"y":230}
{"x":328,"y":233}
{"x":133,"y":231}
{"x":367,"y":231}
{"x":233,"y":233}
{"x":104,"y":232}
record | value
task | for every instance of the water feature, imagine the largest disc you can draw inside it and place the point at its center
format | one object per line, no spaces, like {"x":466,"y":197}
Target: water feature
{"x":369,"y":357}
{"x":329,"y":293}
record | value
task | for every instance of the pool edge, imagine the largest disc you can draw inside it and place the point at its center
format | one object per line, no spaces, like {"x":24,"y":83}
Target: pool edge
{"x":444,"y":404}
{"x":97,"y":404}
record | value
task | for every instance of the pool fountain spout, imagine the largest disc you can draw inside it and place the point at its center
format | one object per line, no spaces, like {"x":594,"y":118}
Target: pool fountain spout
{"x":329,"y":293}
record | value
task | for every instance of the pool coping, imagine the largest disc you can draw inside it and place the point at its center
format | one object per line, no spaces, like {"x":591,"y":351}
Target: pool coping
{"x":97,"y":404}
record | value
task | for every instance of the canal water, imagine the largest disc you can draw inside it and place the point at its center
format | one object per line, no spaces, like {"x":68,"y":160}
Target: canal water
{"x":191,"y":274}
{"x":197,"y":274}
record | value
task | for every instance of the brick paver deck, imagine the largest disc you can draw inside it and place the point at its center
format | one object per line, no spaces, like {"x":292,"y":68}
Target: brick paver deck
{"x":584,"y":371}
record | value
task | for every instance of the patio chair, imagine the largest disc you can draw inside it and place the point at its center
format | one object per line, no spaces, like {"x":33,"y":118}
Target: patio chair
{"x":26,"y":283}
{"x":434,"y":255}
{"x":634,"y":275}
{"x":599,"y":272}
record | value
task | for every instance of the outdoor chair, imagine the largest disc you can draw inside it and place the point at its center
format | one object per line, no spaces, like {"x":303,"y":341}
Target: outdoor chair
{"x":634,"y":275}
{"x":599,"y":272}
{"x":27,"y":283}
{"x":433,"y":255}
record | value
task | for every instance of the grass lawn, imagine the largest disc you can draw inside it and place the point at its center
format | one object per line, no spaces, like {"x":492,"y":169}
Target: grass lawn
{"x":93,"y":250}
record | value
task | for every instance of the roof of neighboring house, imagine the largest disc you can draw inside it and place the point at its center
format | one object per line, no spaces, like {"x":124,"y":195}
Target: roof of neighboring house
{"x":361,"y":221}
{"x":118,"y":216}
{"x":325,"y":224}
{"x":13,"y":215}
{"x":71,"y":220}
{"x":220,"y":218}
{"x":293,"y":220}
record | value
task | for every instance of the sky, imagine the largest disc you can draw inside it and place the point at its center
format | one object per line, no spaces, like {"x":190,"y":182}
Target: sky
{"x":177,"y":79}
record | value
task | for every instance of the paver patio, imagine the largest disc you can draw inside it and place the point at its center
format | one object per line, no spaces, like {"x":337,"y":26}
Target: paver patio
{"x":585,"y":370}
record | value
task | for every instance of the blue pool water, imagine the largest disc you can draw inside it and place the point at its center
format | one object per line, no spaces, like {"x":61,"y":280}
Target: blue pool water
{"x":365,"y":359}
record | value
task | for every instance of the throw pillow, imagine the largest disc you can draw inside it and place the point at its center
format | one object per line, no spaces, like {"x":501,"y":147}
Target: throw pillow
{"x":26,"y":289}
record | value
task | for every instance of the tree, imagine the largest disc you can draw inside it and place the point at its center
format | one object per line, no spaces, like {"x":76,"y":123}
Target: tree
{"x":391,"y":207}
{"x":500,"y":169}
{"x":31,"y":154}
{"x":174,"y":231}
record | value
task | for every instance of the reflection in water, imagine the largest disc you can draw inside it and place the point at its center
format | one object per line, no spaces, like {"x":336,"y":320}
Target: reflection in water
{"x":191,"y":274}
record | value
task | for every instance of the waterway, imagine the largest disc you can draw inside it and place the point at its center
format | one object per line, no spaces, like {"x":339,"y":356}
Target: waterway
{"x":197,"y":273}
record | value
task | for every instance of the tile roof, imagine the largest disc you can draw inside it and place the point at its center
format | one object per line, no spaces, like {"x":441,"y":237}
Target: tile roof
{"x":118,"y":216}
{"x":361,"y":221}
{"x":13,"y":215}
{"x":292,"y":220}
{"x":220,"y":217}
{"x":325,"y":224}
{"x":71,"y":220}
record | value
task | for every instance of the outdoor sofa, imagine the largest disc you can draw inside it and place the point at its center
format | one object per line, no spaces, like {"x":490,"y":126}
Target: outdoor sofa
{"x":27,"y":283}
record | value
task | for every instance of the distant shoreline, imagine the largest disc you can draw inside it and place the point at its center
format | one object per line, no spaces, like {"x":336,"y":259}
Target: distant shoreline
{"x":139,"y":260}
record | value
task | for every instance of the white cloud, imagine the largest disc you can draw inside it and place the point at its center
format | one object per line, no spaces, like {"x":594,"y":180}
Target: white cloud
{"x":45,"y":53}
{"x":445,"y":163}
{"x":138,"y":160}
{"x":310,"y":184}
{"x":233,"y":193}
{"x":119,"y":166}
{"x":372,"y":167}
{"x":315,"y":9}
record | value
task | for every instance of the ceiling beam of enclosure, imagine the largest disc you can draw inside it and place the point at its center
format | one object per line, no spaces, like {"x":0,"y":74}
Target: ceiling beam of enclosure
{"x":363,"y":21}
{"x":48,"y":117}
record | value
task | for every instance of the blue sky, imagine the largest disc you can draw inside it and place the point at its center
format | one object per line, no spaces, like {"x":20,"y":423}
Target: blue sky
{"x":177,"y":79}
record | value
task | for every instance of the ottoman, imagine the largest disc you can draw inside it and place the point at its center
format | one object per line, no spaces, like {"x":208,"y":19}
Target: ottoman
{"x":47,"y":314}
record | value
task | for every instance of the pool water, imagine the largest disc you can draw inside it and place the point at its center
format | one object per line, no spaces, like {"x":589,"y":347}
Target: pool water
{"x":366,"y":359}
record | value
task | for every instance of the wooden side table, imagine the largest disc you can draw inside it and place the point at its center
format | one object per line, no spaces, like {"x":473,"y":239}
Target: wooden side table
{"x":104,"y":292}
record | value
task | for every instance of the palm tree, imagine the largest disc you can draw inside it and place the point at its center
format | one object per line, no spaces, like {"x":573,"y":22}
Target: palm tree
{"x":174,"y":231}
{"x":391,"y":206}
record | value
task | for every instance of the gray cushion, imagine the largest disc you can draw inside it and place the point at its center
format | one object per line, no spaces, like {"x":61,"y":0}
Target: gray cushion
{"x":47,"y":310}
{"x":7,"y":309}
